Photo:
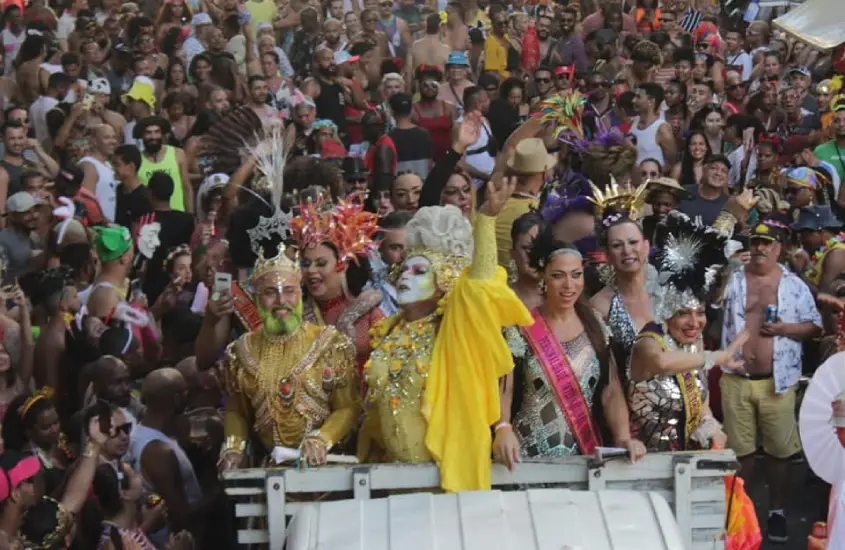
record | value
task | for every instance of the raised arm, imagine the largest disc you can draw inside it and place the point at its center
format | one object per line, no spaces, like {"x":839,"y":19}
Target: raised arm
{"x":484,"y":255}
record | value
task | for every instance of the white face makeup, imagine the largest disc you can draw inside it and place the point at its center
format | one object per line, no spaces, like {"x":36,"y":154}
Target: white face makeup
{"x":416,"y":281}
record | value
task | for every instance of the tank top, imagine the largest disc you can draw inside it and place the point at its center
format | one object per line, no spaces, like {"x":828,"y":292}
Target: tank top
{"x":478,"y":154}
{"x":439,"y":127}
{"x":11,"y":45}
{"x":394,"y":38}
{"x":169,"y":165}
{"x":141,"y":436}
{"x":15,"y":172}
{"x":106,"y":189}
{"x":647,"y":146}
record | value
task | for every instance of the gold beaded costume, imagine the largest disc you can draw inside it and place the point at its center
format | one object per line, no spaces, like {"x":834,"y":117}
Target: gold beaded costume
{"x":288,"y":387}
{"x":433,"y":382}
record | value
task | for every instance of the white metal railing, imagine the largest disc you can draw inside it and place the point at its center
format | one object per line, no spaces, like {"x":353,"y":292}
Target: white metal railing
{"x":691,"y":483}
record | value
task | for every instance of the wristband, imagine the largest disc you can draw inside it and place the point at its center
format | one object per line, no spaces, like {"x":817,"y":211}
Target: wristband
{"x":501,"y":425}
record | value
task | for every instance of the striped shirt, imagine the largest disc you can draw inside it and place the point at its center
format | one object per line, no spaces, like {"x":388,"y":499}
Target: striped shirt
{"x":691,"y":20}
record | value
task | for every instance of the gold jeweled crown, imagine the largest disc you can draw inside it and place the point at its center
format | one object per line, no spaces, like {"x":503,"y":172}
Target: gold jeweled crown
{"x":275,"y":271}
{"x":619,"y":200}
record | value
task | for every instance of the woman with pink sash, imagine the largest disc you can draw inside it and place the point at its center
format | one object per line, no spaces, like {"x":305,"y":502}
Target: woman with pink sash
{"x":563,"y":398}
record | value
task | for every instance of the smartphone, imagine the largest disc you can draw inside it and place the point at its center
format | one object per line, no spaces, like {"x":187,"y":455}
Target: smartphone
{"x":222,"y":282}
{"x":135,"y":292}
{"x":104,"y":414}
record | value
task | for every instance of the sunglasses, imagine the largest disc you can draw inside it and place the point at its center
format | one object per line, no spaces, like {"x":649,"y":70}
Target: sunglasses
{"x":649,"y":175}
{"x":736,"y":86}
{"x":356,"y":180}
{"x":702,"y":46}
{"x":542,"y":80}
{"x":125,"y":428}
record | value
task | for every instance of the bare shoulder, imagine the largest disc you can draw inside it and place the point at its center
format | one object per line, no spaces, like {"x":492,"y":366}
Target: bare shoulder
{"x":600,"y":301}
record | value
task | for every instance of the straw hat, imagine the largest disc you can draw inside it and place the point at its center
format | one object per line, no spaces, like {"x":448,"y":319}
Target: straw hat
{"x":531,"y":157}
{"x":666,"y":184}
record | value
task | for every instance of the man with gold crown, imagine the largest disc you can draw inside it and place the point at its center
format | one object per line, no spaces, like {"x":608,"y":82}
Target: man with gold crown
{"x":293,"y":381}
{"x":433,"y":374}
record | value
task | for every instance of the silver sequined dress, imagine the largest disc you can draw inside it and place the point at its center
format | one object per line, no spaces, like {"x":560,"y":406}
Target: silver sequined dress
{"x":656,"y":405}
{"x":539,"y":423}
{"x":623,"y":330}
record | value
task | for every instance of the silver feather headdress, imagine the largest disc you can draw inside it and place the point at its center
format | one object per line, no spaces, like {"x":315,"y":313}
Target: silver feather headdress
{"x":688,"y":257}
{"x":270,"y":154}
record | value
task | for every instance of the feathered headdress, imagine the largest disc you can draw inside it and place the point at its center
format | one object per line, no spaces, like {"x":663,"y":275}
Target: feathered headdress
{"x":347,"y":226}
{"x":688,"y":256}
{"x":617,"y":202}
{"x":240,"y":135}
{"x":606,"y":151}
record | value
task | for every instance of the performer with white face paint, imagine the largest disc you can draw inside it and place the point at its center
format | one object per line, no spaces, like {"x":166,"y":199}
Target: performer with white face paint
{"x":433,"y":374}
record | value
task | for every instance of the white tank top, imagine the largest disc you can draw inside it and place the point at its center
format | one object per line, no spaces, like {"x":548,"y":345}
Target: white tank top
{"x":476,"y":155}
{"x":11,"y":45}
{"x":106,"y":189}
{"x":647,"y":146}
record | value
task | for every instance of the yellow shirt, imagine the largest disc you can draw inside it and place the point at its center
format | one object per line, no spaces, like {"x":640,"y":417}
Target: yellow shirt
{"x":514,"y":208}
{"x":496,"y":56}
{"x":260,"y":12}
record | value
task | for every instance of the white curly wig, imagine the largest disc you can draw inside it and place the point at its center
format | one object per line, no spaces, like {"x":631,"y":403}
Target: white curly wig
{"x":442,"y":229}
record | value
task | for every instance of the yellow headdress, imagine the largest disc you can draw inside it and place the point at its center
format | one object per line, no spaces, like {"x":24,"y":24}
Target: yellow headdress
{"x":44,"y":393}
{"x":275,"y":271}
{"x":617,"y":202}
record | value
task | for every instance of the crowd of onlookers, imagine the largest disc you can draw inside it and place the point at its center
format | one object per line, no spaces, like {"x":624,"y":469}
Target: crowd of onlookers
{"x":117,"y":115}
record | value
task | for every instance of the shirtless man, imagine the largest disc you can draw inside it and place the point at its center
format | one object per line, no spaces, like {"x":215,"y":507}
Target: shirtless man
{"x":456,"y":34}
{"x":759,"y":403}
{"x":428,"y":50}
{"x":378,"y":40}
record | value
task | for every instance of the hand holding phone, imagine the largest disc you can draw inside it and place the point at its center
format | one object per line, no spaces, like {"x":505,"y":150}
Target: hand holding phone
{"x":222,"y":284}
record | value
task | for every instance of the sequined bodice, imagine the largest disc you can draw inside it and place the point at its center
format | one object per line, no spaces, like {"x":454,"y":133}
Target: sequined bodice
{"x":623,"y":330}
{"x":657,"y":409}
{"x":396,"y":375}
{"x":540,"y":425}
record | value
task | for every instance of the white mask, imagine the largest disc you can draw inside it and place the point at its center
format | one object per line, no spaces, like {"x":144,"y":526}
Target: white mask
{"x":416,"y":282}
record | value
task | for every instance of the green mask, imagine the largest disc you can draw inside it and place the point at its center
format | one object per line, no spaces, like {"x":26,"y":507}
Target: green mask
{"x":281,"y":326}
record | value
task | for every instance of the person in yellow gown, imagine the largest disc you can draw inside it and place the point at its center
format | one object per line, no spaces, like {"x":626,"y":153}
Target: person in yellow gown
{"x":290,"y":383}
{"x":442,"y":355}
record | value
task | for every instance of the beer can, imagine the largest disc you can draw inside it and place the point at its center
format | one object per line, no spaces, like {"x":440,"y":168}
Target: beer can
{"x":819,"y":530}
{"x":772,"y":314}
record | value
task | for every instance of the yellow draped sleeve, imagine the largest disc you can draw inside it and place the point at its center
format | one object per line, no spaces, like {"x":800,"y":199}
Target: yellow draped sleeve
{"x":236,"y":420}
{"x":461,"y":399}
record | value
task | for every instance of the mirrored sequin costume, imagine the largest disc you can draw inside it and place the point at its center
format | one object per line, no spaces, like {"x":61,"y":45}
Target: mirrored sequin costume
{"x":623,"y":330}
{"x":538,"y":421}
{"x":656,"y":405}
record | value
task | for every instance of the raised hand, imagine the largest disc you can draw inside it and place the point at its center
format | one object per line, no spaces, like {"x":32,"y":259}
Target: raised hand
{"x":497,"y":194}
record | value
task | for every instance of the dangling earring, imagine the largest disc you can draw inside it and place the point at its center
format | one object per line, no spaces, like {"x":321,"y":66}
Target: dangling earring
{"x":512,"y":275}
{"x":542,"y":286}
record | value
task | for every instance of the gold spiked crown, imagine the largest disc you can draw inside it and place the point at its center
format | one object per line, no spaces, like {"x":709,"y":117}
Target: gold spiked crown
{"x":616,"y":201}
{"x":275,"y":271}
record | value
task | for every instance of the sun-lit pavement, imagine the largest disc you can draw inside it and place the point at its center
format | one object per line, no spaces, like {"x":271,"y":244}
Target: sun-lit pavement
{"x":806,"y":501}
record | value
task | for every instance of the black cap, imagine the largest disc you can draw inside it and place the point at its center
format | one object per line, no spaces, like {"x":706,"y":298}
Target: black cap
{"x":354,"y":167}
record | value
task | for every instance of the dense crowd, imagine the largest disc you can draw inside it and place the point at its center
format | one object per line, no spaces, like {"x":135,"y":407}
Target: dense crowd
{"x":404,"y":230}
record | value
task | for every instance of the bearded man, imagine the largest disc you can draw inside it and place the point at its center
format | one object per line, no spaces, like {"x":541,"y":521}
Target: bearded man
{"x":294,"y":381}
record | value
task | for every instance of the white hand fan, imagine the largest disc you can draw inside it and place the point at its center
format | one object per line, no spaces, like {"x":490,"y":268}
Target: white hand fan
{"x":824,"y":453}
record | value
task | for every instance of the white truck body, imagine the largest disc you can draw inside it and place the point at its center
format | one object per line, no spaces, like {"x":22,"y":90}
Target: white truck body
{"x":688,"y":485}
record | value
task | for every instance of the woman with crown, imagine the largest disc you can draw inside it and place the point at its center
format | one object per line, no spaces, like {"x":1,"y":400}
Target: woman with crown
{"x":625,"y":303}
{"x":667,"y":391}
{"x":330,"y":240}
{"x":433,"y":375}
{"x":290,"y":383}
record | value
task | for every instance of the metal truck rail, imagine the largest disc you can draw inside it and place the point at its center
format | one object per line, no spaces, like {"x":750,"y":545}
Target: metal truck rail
{"x":691,"y":482}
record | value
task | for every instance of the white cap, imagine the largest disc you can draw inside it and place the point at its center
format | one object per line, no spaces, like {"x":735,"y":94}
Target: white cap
{"x":200,"y":19}
{"x":20,"y":202}
{"x":100,"y":86}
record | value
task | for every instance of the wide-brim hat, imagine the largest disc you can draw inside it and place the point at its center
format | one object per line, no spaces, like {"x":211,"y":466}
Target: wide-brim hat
{"x":816,"y":218}
{"x":670,"y":185}
{"x":154,"y":120}
{"x":531,"y":157}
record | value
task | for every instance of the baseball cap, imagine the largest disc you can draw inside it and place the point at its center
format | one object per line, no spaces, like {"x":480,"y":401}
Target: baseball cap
{"x":200,"y":19}
{"x":457,"y":58}
{"x":15,"y":468}
{"x":801,"y":69}
{"x":774,"y":228}
{"x":20,"y":202}
{"x":718,"y":158}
